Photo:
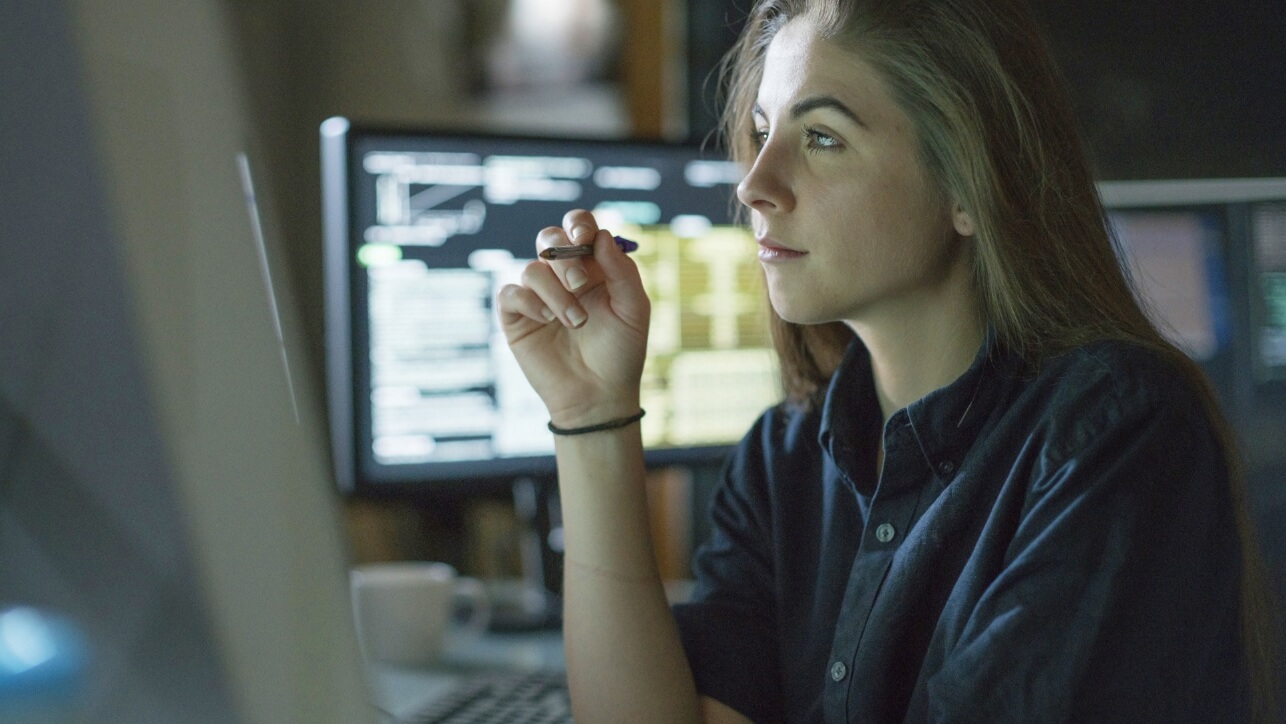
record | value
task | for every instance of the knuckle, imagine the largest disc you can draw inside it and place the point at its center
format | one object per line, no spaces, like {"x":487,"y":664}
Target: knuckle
{"x":579,"y":217}
{"x":549,"y":234}
{"x":532,"y":271}
{"x":509,"y":293}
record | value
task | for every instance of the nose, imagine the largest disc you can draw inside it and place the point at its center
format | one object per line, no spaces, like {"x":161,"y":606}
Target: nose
{"x":766,"y":186}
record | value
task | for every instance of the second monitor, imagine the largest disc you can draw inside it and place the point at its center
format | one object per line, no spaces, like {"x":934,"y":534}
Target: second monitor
{"x":424,"y":229}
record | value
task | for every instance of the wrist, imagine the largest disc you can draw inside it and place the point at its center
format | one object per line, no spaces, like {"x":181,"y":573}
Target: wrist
{"x":596,"y":415}
{"x":605,"y":426}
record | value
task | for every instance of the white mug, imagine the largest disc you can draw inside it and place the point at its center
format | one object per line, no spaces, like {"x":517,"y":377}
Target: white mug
{"x":404,"y":610}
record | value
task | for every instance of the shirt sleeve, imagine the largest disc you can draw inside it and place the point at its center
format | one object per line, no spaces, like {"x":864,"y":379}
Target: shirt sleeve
{"x":1118,"y":597}
{"x":727,"y":629}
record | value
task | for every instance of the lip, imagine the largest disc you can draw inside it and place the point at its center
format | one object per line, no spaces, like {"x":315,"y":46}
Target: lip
{"x":771,"y":250}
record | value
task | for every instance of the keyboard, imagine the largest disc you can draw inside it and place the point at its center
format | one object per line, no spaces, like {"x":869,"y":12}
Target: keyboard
{"x":537,"y":697}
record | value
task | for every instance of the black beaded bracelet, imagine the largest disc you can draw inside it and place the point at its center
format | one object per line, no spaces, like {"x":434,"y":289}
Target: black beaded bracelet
{"x":609,"y":425}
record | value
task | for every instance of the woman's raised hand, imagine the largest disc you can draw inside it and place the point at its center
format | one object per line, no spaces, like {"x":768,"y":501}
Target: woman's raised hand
{"x":578,"y":327}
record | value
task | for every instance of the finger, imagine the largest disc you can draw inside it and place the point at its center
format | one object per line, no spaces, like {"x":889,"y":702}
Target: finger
{"x":539,"y":277}
{"x":514,"y":302}
{"x":581,"y":228}
{"x":555,"y":236}
{"x":624,"y":283}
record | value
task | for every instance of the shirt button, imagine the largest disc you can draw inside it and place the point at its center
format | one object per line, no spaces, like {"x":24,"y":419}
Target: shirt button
{"x":946,"y":467}
{"x":838,"y":671}
{"x":885,"y":533}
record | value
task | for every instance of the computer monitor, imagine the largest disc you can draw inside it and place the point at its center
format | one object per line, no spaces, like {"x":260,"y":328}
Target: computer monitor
{"x":422,"y":229}
{"x":1267,"y":225}
{"x":1176,"y":259}
{"x":1208,"y":257}
{"x":161,"y":491}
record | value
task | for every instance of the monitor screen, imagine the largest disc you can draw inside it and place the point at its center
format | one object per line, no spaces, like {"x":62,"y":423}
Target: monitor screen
{"x":1176,"y":259}
{"x":422,"y":230}
{"x":1268,"y":265}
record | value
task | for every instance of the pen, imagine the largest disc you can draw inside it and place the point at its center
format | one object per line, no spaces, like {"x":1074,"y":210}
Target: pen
{"x":576,"y":251}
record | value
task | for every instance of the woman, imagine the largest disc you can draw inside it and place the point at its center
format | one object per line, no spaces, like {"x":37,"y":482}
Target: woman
{"x":993,"y":493}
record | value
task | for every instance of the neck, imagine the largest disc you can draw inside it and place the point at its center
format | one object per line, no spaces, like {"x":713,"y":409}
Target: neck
{"x":915,"y":354}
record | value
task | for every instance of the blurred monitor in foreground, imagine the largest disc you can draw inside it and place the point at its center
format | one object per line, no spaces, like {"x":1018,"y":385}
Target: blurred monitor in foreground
{"x":164,"y":501}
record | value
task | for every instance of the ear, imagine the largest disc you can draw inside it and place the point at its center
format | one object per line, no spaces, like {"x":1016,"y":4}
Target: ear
{"x":963,"y":221}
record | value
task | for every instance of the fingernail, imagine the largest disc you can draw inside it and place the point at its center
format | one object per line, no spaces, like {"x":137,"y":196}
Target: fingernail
{"x":548,"y":314}
{"x":576,"y":278}
{"x":578,"y":231}
{"x":576,"y":316}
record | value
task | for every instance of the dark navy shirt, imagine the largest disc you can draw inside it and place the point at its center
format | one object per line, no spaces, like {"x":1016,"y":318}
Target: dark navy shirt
{"x":1052,"y":544}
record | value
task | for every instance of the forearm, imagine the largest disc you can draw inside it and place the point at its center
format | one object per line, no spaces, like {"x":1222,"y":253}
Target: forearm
{"x":623,"y":650}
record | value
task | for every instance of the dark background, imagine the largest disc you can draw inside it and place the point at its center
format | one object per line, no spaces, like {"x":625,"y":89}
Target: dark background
{"x":1162,"y":89}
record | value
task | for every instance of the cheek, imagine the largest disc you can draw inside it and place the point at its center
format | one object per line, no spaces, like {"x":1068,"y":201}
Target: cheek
{"x":875,"y":219}
{"x":920,"y":214}
{"x":894,"y":231}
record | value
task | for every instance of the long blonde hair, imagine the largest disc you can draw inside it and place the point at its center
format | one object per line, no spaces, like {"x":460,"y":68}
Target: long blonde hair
{"x":997,"y":133}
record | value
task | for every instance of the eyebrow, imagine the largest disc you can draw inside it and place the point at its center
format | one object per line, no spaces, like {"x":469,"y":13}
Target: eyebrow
{"x":813,"y":103}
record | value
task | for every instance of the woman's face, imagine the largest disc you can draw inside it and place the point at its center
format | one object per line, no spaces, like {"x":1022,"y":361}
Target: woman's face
{"x":849,"y":224}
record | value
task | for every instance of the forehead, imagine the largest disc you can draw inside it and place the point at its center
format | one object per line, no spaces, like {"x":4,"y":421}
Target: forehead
{"x":799,"y":63}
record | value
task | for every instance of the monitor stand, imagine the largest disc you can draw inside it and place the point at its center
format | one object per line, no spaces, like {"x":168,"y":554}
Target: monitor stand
{"x":533,"y":603}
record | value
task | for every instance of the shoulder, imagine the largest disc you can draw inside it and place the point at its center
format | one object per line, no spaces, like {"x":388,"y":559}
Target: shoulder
{"x":1112,"y":386}
{"x":780,"y":447}
{"x":1122,"y":369}
{"x":783,"y":429}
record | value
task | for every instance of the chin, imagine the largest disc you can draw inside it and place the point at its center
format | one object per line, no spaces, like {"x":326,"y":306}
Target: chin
{"x":794,"y":312}
{"x":807,"y":309}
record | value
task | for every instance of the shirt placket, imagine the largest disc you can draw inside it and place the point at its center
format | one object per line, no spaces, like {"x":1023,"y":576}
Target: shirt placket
{"x":891,"y":514}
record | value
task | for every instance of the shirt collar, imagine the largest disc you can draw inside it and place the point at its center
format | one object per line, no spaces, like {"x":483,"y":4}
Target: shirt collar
{"x":945,"y":422}
{"x":850,"y":410}
{"x":948,"y":420}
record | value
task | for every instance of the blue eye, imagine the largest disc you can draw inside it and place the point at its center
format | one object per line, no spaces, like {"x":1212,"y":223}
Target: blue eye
{"x":819,"y":141}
